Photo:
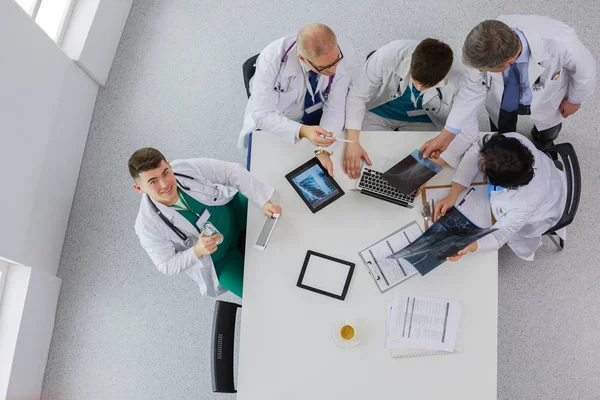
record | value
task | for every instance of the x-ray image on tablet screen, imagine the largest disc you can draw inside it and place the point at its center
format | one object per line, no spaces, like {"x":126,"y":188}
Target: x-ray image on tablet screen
{"x":314,"y":185}
{"x":410,"y":173}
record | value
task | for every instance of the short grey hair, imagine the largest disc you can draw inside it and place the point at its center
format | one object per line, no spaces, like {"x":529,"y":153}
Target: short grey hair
{"x":490,"y":44}
{"x":315,"y":40}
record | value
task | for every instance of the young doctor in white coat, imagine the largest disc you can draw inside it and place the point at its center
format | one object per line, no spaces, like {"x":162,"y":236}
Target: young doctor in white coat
{"x":178,"y":199}
{"x":405,"y":85}
{"x":522,"y":65}
{"x":528,"y":193}
{"x":299,"y":90}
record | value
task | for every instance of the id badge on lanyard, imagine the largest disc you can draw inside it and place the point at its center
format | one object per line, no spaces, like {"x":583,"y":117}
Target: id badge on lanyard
{"x":314,"y":107}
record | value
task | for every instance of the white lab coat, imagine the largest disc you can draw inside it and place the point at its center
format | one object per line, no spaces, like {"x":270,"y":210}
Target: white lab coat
{"x":555,"y":49}
{"x":268,"y":109}
{"x":215,"y":183}
{"x":522,"y":215}
{"x":377,"y":82}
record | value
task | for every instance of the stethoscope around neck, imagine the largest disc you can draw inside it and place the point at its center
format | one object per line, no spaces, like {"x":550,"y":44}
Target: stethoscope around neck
{"x":277,"y":84}
{"x":414,"y":99}
{"x":179,"y":232}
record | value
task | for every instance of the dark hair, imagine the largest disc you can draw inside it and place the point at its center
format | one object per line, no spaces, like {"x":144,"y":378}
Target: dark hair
{"x":143,"y":160}
{"x":431,"y":61}
{"x":506,"y":161}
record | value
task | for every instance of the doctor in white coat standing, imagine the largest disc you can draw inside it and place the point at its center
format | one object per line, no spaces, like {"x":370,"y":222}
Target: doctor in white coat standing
{"x":299,"y":90}
{"x":523,"y":65}
{"x":528,"y":193}
{"x":405,"y":85}
{"x":182,"y":204}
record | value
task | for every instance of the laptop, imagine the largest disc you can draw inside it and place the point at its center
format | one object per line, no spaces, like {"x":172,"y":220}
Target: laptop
{"x":396,"y":182}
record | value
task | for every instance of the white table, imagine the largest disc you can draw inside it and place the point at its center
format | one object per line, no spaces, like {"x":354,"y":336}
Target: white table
{"x":286,"y":346}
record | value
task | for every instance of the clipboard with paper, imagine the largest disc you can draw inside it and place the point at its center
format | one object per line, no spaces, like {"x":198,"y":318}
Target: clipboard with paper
{"x":476,"y":208}
{"x":387,"y":272}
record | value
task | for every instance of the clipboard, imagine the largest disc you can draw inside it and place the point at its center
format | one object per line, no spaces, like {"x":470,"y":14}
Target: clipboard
{"x":463,"y":209}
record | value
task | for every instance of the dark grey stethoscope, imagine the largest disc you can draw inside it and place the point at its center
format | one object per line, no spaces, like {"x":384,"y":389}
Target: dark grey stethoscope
{"x":180,"y":233}
{"x":277,"y":84}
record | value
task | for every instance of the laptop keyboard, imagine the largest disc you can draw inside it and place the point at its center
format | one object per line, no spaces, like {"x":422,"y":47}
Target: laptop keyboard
{"x":373,"y":182}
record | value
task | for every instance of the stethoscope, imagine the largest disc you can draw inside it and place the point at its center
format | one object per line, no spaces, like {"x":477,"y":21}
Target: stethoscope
{"x":182,"y":235}
{"x":415,"y":100}
{"x":277,"y":84}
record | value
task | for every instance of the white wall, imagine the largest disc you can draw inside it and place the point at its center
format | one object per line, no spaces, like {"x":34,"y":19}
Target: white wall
{"x":35,"y":334}
{"x":11,"y":313}
{"x":46,"y":105}
{"x":93,"y":35}
{"x":26,"y":324}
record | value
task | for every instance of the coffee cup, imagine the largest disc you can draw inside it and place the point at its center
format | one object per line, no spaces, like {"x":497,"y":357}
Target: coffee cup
{"x":347,"y":332}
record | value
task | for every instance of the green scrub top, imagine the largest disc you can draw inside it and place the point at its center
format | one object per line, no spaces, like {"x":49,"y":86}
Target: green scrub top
{"x":230,"y":220}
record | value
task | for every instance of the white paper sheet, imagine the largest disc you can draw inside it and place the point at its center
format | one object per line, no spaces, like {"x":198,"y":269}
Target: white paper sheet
{"x":422,"y":323}
{"x":477,"y":207}
{"x":390,"y":272}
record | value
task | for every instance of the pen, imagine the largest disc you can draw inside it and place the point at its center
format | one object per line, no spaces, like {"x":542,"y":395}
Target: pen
{"x":337,"y":139}
{"x":465,"y":199}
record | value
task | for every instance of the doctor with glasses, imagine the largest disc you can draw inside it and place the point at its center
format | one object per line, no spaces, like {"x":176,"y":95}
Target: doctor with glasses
{"x":299,"y":90}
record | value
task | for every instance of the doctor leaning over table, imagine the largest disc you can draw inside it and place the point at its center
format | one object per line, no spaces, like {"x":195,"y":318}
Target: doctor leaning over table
{"x":527,"y":191}
{"x":182,"y":202}
{"x":522,"y":65}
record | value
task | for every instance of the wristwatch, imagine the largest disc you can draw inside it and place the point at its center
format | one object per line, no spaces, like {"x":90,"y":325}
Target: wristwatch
{"x":321,"y":151}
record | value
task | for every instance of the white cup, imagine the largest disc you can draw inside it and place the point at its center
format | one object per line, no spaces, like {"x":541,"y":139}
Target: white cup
{"x":346,"y":334}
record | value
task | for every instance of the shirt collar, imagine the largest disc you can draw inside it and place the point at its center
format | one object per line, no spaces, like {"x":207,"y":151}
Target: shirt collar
{"x":525,"y":52}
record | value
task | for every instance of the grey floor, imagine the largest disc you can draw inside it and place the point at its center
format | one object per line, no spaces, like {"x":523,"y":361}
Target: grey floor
{"x":124,"y":331}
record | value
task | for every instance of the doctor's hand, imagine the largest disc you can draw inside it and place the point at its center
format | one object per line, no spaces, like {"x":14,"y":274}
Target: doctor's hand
{"x":442,"y":207}
{"x":567,"y":108}
{"x":206,"y":244}
{"x":436,"y":146}
{"x":313,"y":133}
{"x":269,"y":209}
{"x":325,"y":160}
{"x":352,"y":158}
{"x":469,"y":249}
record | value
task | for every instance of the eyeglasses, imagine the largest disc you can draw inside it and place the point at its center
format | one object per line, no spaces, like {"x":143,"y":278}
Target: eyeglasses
{"x":321,"y":69}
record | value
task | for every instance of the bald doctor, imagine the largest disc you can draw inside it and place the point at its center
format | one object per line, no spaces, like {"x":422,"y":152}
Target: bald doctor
{"x":299,"y":90}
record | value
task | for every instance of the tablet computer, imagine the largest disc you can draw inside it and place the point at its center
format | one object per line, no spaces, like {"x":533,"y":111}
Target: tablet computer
{"x":314,"y":185}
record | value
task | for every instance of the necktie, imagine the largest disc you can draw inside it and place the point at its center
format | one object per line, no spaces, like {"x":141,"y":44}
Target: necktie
{"x":315,"y":117}
{"x":512,"y":90}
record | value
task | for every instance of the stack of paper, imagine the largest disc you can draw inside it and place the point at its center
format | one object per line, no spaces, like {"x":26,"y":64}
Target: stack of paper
{"x":421,"y":326}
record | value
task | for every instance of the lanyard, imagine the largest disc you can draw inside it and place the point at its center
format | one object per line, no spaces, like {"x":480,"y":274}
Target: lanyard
{"x":185,"y":203}
{"x":412,"y":94}
{"x":325,"y":94}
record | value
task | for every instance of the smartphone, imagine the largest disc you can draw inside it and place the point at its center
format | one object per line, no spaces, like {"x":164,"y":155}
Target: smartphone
{"x":265,"y":233}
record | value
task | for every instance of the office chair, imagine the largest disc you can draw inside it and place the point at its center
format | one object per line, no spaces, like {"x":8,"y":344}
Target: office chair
{"x":248,"y":69}
{"x":223,"y":337}
{"x":370,"y":54}
{"x":570,"y":165}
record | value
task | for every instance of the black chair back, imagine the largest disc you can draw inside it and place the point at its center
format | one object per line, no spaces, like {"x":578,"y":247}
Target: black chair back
{"x":223,"y":337}
{"x":248,"y":69}
{"x":565,"y":153}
